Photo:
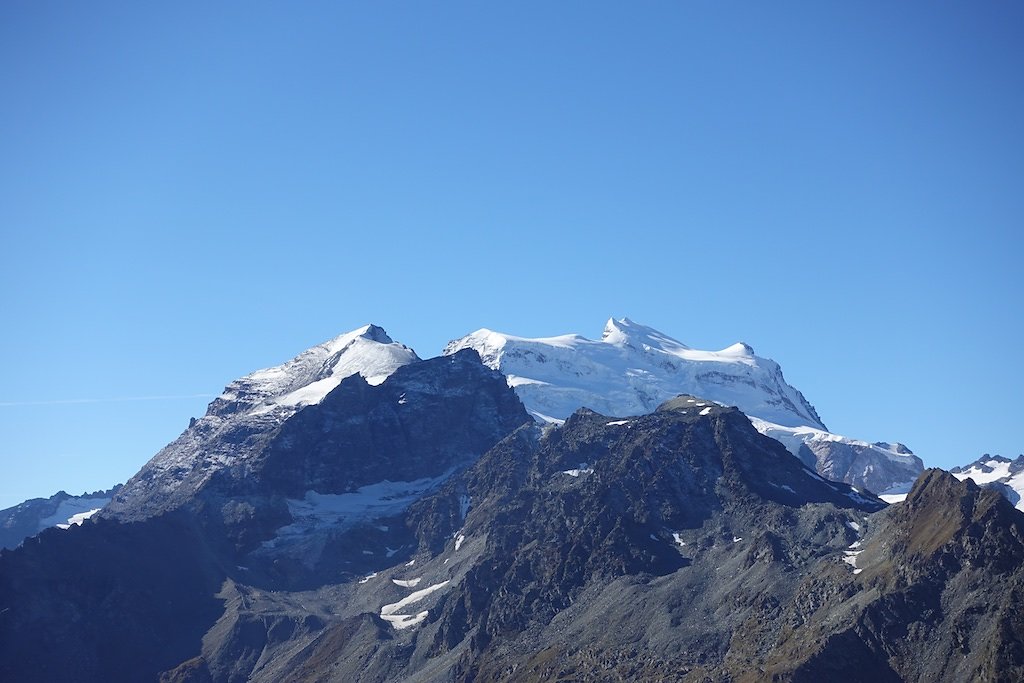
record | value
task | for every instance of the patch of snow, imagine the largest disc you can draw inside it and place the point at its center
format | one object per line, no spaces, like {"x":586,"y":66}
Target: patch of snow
{"x":73,"y":511}
{"x":459,"y":541}
{"x":410,"y":563}
{"x":617,"y":423}
{"x":76,"y":520}
{"x":997,"y":470}
{"x":855,"y":544}
{"x":402,"y":621}
{"x":736,"y":539}
{"x":850,"y":558}
{"x":339,"y":511}
{"x":367,"y":577}
{"x":677,"y":538}
{"x":854,"y":526}
{"x":541,"y":417}
{"x":393,"y":608}
{"x":407,"y":583}
{"x":582,"y":469}
{"x":706,"y":411}
{"x":894,"y":498}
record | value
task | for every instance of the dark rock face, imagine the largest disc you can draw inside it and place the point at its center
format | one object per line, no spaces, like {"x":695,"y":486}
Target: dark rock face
{"x":426,"y":418}
{"x":677,"y":546}
{"x":90,"y":592}
{"x":106,"y":601}
{"x":938,"y":597}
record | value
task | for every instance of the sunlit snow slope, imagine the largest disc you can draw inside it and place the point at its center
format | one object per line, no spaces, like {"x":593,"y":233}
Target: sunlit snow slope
{"x":633,"y":368}
{"x":997,"y":472}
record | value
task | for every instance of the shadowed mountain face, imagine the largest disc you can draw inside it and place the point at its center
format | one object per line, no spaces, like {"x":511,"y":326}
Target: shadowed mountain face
{"x":425,"y":529}
{"x":284,"y":516}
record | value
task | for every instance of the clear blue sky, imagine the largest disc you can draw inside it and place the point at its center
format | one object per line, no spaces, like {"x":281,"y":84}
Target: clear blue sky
{"x":191,"y":191}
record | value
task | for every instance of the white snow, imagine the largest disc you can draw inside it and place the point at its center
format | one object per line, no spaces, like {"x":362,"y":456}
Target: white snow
{"x":854,"y":525}
{"x":76,"y":520}
{"x":390,"y":612}
{"x":73,"y":511}
{"x":407,"y":583}
{"x":343,"y":510}
{"x":582,"y":469}
{"x":736,"y":539}
{"x":313,"y":374}
{"x":367,"y":577}
{"x":999,"y":472}
{"x":616,"y":423}
{"x":459,"y":541}
{"x":795,"y":437}
{"x":401,"y":621}
{"x":893,"y":498}
{"x":706,"y":411}
{"x":850,"y":558}
{"x":631,"y":370}
{"x":410,"y":563}
{"x":897,"y":493}
{"x":677,"y":538}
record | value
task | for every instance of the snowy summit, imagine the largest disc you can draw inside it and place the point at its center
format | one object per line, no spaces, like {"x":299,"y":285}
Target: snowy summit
{"x":634,"y":368}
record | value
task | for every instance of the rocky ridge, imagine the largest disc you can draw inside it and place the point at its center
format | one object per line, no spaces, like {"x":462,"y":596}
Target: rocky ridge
{"x":60,"y":510}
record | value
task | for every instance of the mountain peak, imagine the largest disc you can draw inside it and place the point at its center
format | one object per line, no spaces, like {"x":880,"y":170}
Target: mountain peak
{"x":625,"y":332}
{"x":631,"y":370}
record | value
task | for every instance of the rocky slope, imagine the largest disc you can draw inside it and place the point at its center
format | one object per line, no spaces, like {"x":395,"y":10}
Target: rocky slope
{"x":238,"y":423}
{"x":675,"y":546}
{"x":315,"y":503}
{"x":633,"y":368}
{"x":422,"y":527}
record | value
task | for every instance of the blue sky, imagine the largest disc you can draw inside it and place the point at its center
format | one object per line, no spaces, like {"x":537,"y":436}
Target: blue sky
{"x":192,"y":191}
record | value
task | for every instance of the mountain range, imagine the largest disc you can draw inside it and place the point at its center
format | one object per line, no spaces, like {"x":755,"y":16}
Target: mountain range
{"x":524,"y":509}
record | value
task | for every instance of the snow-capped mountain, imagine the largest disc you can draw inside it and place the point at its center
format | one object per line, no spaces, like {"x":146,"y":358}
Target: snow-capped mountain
{"x":633,"y":368}
{"x":240,"y":420}
{"x":412,"y":522}
{"x":61,"y":510}
{"x":999,"y":473}
{"x":888,"y":468}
